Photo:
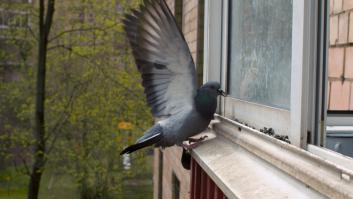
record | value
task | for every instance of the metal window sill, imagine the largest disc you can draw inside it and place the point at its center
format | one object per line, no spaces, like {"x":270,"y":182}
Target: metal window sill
{"x":248,"y":164}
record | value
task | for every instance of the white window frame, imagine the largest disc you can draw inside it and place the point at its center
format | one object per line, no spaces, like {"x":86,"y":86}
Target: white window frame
{"x":291,"y":122}
{"x":321,"y":171}
{"x":306,"y":120}
{"x":318,"y":118}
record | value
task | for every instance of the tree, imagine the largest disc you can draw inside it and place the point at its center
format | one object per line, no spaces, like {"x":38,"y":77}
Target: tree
{"x":45,"y":23}
{"x":86,"y":84}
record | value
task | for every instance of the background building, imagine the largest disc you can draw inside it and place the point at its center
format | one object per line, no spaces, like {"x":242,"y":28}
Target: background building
{"x":14,"y":22}
{"x":170,"y":178}
{"x":240,"y":162}
{"x":340,"y":69}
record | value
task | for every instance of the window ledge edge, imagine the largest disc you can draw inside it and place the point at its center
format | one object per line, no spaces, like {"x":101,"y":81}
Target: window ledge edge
{"x":321,"y":175}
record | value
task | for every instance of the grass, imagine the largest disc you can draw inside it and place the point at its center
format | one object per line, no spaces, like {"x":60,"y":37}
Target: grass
{"x":14,"y":186}
{"x":14,"y":194}
{"x":58,"y":186}
{"x":140,"y":186}
{"x":141,"y":191}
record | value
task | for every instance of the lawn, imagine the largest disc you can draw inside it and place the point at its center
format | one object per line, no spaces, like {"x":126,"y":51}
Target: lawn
{"x":14,"y":186}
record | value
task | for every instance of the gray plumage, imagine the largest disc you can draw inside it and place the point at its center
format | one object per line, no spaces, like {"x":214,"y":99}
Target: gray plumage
{"x":168,"y":76}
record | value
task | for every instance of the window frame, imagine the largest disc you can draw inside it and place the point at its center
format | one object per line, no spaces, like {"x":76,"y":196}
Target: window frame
{"x":232,"y":137}
{"x":320,"y":116}
{"x":291,"y":122}
{"x":175,"y":186}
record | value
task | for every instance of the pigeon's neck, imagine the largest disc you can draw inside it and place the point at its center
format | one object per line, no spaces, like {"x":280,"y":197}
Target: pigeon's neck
{"x":205,"y":103}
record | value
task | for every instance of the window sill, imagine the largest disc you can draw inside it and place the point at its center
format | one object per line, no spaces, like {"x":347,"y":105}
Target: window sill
{"x":249,"y":164}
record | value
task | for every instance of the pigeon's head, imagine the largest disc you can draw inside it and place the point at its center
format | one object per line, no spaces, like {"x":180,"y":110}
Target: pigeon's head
{"x":206,"y":99}
{"x":214,"y":88}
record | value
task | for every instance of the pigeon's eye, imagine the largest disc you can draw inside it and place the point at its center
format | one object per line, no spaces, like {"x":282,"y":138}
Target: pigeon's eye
{"x":159,"y":66}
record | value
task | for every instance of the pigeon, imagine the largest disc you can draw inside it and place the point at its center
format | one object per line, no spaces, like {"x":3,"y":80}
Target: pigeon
{"x":169,"y":78}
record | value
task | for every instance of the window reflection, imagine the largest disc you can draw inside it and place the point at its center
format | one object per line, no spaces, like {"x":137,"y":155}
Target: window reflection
{"x":339,"y":130}
{"x":260,"y":51}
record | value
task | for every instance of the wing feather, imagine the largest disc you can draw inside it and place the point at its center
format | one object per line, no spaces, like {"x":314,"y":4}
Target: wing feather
{"x":162,"y":57}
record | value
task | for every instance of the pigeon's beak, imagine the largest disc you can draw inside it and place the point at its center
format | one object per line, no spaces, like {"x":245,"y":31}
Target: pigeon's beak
{"x":221,"y":92}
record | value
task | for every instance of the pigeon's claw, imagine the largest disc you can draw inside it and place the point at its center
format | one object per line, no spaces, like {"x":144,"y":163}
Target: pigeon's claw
{"x":196,"y":140}
{"x":189,"y":147}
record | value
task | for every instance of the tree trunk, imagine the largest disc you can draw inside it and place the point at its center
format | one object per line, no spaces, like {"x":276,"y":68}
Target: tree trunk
{"x":39,"y":126}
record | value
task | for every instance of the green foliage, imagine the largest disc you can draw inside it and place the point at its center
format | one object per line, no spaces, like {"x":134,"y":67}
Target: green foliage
{"x":92,"y":85}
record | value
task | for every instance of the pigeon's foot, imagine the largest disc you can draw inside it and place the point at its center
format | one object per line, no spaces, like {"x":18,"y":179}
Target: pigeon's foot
{"x":188,"y":147}
{"x":193,"y":143}
{"x":196,"y":140}
{"x":186,"y":159}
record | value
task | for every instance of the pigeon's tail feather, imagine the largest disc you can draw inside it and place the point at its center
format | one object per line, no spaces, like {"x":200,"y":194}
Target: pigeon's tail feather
{"x":148,"y":142}
{"x":151,"y":137}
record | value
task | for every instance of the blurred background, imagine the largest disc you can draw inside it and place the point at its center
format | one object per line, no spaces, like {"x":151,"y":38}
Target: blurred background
{"x":93,"y":103}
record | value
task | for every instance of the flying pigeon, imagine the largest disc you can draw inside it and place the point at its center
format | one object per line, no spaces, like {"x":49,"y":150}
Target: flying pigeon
{"x":169,"y":78}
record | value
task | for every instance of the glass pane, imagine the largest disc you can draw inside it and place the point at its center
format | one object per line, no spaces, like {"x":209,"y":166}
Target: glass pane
{"x":260,"y":51}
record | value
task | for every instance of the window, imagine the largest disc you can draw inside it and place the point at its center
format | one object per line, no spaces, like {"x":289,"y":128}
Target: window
{"x":230,"y":45}
{"x":337,"y":100}
{"x":178,"y":13}
{"x":13,"y":18}
{"x":260,"y":42}
{"x":2,"y":18}
{"x":176,"y":186}
{"x":180,"y":17}
{"x":160,"y":174}
{"x":275,"y":73}
{"x":18,"y":1}
{"x":262,"y":53}
{"x":8,"y":51}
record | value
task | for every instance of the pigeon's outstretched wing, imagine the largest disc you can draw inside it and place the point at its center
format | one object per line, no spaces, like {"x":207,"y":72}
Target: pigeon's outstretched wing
{"x":163,"y":58}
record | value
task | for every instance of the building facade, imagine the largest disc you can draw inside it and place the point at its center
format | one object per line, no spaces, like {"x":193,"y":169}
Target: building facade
{"x":340,"y":55}
{"x":14,"y":22}
{"x":170,"y":178}
{"x":271,"y":135}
